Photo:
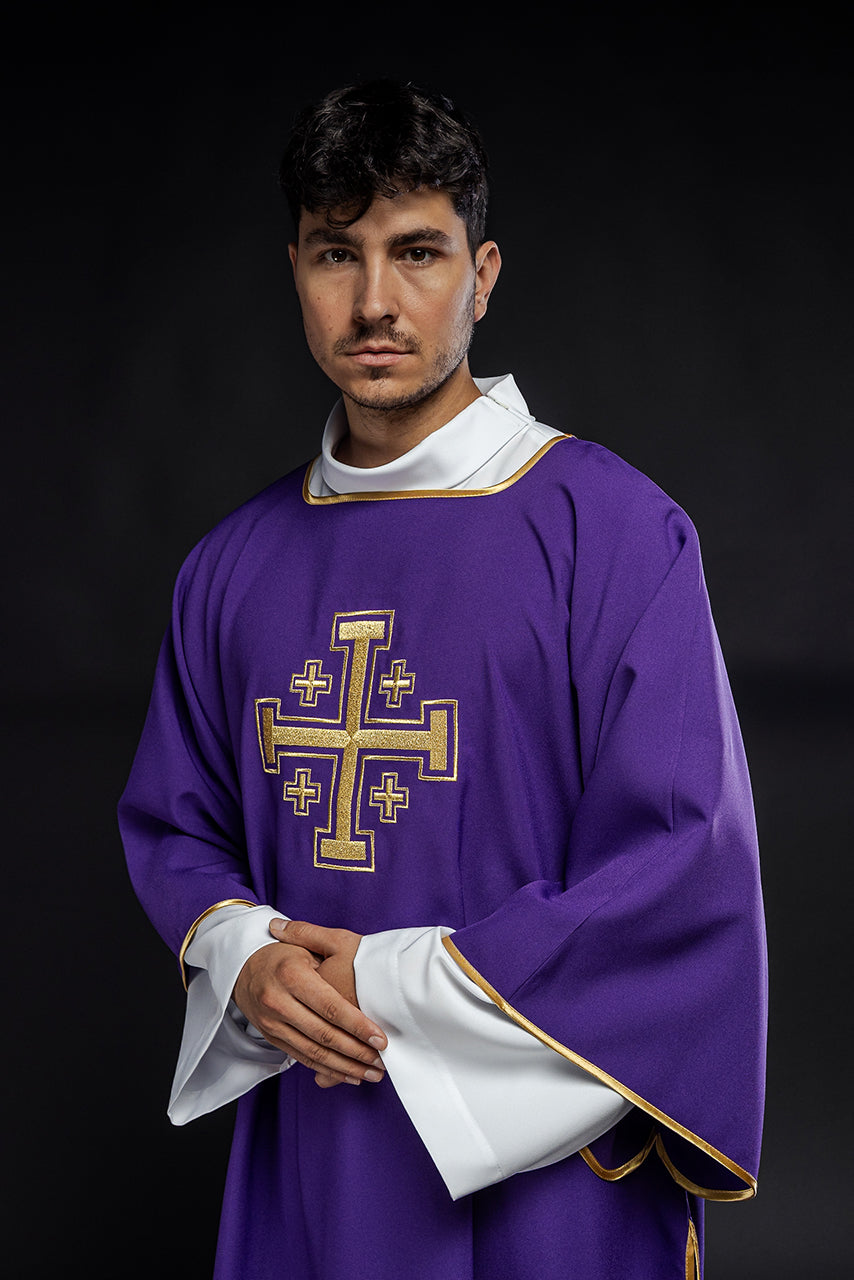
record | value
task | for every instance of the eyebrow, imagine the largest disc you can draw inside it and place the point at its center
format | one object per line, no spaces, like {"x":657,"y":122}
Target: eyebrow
{"x":419,"y":235}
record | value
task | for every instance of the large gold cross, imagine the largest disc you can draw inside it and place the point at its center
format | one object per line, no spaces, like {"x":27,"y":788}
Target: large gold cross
{"x":355,"y":736}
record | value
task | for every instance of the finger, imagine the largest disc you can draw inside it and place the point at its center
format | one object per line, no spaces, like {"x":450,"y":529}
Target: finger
{"x":326,"y":1061}
{"x":318,"y":940}
{"x":320,"y":1030}
{"x":328,"y":1080}
{"x":332,"y":1008}
{"x":314,"y":937}
{"x":308,"y":1007}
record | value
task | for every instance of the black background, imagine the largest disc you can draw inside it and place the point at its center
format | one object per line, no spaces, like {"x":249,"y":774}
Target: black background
{"x":673,"y":199}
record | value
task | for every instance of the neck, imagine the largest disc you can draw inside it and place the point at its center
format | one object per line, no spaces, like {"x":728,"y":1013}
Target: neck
{"x":377,"y":436}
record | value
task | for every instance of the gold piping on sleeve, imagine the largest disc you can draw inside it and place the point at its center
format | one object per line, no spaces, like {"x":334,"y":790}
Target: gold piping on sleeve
{"x":191,"y":932}
{"x":614,"y":1175}
{"x":387,"y":495}
{"x":629,"y":1094}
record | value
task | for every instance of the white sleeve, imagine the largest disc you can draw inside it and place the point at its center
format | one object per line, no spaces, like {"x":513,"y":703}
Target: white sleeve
{"x":488,"y":1099}
{"x":222,"y":1055}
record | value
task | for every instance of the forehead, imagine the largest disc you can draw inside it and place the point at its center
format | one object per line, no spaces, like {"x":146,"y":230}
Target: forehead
{"x":389,"y":217}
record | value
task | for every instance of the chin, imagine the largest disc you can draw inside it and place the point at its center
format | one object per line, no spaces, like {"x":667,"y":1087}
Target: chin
{"x":382,"y":390}
{"x":390,"y":398}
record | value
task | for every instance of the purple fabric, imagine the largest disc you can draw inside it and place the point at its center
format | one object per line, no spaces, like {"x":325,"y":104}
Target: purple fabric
{"x":588,"y":832}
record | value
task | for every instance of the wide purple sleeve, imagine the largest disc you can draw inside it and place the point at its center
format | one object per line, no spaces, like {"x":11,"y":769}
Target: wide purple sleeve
{"x":180,"y":815}
{"x":646,"y":964}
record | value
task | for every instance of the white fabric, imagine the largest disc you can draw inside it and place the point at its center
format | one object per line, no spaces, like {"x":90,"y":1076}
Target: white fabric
{"x":483,"y":445}
{"x":487,"y":1099}
{"x":221,"y":1055}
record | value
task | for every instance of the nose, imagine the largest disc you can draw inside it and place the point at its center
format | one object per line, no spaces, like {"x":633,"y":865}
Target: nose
{"x":376,"y":301}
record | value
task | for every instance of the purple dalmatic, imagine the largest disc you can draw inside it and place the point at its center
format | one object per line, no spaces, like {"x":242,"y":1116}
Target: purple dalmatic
{"x":504,"y":711}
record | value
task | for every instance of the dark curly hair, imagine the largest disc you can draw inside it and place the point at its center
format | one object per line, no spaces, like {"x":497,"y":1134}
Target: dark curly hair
{"x":382,"y":138}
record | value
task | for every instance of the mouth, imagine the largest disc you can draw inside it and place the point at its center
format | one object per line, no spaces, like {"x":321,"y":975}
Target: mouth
{"x":378,"y":356}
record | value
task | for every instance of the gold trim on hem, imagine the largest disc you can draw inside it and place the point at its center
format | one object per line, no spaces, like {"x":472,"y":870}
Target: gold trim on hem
{"x":692,"y":1253}
{"x":629,"y":1094}
{"x":191,"y":932}
{"x":388,"y":495}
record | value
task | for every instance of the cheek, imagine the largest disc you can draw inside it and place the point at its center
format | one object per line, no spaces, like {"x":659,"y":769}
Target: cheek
{"x":447,"y":305}
{"x":320,"y":309}
{"x":319,"y":325}
{"x":438,"y":315}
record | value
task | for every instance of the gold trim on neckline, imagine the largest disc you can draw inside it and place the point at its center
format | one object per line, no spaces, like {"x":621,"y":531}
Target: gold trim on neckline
{"x":629,"y":1094}
{"x":388,"y":495}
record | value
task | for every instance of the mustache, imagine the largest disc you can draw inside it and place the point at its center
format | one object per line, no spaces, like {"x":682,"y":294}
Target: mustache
{"x":378,"y":336}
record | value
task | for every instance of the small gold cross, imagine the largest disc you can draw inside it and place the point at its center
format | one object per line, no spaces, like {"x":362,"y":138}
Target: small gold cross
{"x":400,"y":681}
{"x":389,"y":798}
{"x":310,"y":683}
{"x":302,"y":792}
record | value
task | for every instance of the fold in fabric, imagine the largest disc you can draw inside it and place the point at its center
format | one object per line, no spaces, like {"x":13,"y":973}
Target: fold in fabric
{"x":221,"y":1054}
{"x":488,"y":1100}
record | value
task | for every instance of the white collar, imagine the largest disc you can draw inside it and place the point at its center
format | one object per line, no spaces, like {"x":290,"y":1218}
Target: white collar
{"x":443,"y":460}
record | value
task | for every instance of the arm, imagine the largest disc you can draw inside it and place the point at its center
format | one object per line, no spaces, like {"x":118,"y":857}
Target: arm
{"x":645,"y":965}
{"x":182,"y":825}
{"x":223,"y":1054}
{"x":488,"y":1100}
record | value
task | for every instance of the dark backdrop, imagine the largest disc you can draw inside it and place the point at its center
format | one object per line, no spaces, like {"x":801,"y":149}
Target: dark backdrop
{"x":674,"y":203}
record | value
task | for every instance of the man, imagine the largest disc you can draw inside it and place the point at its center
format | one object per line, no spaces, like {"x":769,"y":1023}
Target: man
{"x":441,"y":794}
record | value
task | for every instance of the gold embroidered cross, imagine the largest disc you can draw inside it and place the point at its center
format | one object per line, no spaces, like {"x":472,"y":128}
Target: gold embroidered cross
{"x":355,"y":736}
{"x":400,"y":681}
{"x":310,"y":684}
{"x":302,"y":791}
{"x":388,"y":798}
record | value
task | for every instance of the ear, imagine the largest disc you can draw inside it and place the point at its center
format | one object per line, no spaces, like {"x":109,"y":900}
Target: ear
{"x":292,"y":254}
{"x":487,"y":263}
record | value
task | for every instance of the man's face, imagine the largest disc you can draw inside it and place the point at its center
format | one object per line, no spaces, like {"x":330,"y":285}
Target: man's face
{"x":389,"y":303}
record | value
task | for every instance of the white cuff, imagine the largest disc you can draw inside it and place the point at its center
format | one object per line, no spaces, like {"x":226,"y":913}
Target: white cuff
{"x":488,"y":1099}
{"x":222,"y":1055}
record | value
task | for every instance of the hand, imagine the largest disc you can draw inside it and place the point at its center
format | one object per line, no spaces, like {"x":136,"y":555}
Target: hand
{"x":337,"y":946}
{"x":307,"y":1007}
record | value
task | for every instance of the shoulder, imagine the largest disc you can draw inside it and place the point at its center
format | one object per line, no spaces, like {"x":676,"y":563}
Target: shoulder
{"x":240,"y":536}
{"x":613,"y":503}
{"x":597,"y":475}
{"x":632,"y":545}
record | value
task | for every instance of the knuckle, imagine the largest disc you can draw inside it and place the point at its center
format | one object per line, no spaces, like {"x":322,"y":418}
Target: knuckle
{"x":329,"y":1011}
{"x":284,"y":977}
{"x":327,"y":1037}
{"x":267,"y":1001}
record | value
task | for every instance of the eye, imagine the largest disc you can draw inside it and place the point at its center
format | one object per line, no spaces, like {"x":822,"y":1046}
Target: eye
{"x":336,"y":256}
{"x":419,"y":255}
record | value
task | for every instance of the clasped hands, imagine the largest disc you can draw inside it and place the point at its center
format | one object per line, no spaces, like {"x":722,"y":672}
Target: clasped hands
{"x":301,"y":995}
